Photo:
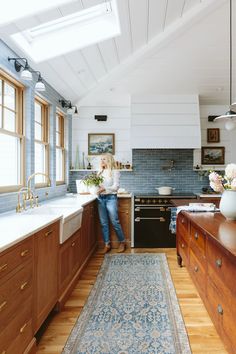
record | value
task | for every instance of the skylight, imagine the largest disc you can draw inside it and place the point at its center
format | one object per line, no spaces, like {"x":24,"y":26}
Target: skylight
{"x":13,"y":10}
{"x":71,"y":32}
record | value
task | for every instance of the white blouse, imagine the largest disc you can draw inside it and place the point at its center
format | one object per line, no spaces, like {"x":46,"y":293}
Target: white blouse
{"x":111,"y":181}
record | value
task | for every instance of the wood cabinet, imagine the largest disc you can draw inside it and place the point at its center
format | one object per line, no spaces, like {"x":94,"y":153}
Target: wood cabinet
{"x":124,"y":211}
{"x":75,"y":253}
{"x":210,"y":256}
{"x":16,"y":299}
{"x":46,"y":244}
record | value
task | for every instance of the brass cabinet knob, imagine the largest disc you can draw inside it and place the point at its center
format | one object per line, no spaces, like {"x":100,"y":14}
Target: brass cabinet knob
{"x":218,"y":263}
{"x":196,"y":236}
{"x":3,"y":304}
{"x":3,"y":267}
{"x":23,"y":328}
{"x":24,"y":253}
{"x":48,"y":233}
{"x":220,"y":309}
{"x":182,"y":245}
{"x":23,"y":286}
{"x":196,"y":269}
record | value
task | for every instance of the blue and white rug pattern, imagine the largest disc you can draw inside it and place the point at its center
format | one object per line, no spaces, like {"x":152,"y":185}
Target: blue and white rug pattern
{"x":131,"y":309}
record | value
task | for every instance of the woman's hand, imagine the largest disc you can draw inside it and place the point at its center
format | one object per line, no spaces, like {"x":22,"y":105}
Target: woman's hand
{"x":101,"y":189}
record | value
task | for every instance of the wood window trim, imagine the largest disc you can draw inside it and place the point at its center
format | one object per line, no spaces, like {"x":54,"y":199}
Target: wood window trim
{"x":45,"y":135}
{"x":19,"y":130}
{"x":61,"y":131}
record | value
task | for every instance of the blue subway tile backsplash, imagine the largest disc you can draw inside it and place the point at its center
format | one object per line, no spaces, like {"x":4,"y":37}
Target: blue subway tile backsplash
{"x":149,"y":171}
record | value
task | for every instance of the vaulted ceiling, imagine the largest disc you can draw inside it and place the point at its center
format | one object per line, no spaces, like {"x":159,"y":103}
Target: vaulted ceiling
{"x":165,"y":46}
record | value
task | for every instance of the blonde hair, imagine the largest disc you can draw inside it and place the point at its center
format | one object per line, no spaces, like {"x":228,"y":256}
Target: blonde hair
{"x":111,"y":165}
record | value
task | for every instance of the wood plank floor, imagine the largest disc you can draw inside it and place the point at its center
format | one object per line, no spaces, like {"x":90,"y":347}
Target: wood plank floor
{"x":202,"y":334}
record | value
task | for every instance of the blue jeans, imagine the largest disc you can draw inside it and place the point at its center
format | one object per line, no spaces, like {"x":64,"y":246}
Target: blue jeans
{"x":108,"y":210}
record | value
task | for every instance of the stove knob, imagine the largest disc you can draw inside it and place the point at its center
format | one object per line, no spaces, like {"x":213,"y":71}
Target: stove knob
{"x":142,"y":201}
{"x":159,"y":201}
{"x":154,"y":201}
{"x":165,"y":201}
{"x":148,"y":201}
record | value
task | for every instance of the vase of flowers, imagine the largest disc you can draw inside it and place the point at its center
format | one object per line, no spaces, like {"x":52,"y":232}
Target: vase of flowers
{"x":227,"y":186}
{"x":93,"y":182}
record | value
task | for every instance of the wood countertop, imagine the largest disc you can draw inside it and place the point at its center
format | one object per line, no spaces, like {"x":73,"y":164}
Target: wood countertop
{"x":214,"y":224}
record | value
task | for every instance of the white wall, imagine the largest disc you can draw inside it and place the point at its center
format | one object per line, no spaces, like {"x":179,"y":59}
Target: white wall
{"x":117,"y":109}
{"x":227,"y":138}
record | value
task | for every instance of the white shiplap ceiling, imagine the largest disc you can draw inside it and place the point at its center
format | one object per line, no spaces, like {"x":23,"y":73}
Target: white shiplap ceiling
{"x":165,"y":46}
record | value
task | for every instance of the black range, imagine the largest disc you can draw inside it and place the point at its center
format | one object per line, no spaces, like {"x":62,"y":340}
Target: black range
{"x":152,"y":214}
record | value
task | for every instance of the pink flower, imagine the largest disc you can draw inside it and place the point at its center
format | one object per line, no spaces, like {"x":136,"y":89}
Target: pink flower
{"x":217,"y":186}
{"x":214,"y":177}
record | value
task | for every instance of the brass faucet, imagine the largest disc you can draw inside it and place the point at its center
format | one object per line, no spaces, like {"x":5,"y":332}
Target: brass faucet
{"x":36,"y":174}
{"x":28,"y":193}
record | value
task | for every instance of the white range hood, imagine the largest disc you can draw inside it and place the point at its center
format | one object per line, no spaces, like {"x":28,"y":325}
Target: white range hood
{"x":165,"y":122}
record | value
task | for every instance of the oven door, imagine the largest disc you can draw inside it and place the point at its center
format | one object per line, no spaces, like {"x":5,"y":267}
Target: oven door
{"x":151,"y":227}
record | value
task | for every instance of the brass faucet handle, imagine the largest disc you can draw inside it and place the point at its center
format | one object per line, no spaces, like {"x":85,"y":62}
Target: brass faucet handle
{"x":31,"y":201}
{"x":18,"y":208}
{"x":36,"y":201}
{"x":24,"y":200}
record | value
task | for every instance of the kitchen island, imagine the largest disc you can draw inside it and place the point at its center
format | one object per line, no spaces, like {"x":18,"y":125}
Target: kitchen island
{"x":206,"y":245}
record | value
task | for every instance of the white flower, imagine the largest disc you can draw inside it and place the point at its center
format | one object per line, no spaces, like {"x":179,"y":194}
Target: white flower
{"x":233,"y":184}
{"x":230,"y":171}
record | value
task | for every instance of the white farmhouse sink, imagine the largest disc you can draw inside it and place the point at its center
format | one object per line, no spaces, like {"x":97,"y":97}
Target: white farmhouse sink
{"x":71,"y":218}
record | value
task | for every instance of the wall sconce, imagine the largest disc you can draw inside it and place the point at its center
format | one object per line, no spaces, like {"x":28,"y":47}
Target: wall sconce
{"x":70,"y":108}
{"x":39,"y":86}
{"x":25,"y":74}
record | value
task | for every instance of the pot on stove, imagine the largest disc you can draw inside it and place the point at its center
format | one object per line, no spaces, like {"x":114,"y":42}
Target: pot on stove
{"x":165,"y":190}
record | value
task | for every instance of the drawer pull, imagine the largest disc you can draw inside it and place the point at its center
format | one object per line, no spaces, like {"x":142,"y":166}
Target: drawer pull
{"x":24,"y":253}
{"x":218,"y":263}
{"x":22,"y":287}
{"x":3,"y":267}
{"x":196,"y":269}
{"x":196,"y":236}
{"x":23,"y":328}
{"x":182,"y":245}
{"x":182,"y":221}
{"x":73,"y":243}
{"x":48,"y":233}
{"x":220,"y":309}
{"x":3,"y":304}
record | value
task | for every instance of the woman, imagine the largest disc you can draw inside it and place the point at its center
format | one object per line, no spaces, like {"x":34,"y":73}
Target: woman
{"x":107,"y":202}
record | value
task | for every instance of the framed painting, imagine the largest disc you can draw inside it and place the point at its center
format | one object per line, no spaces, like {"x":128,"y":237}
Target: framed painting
{"x":100,"y":143}
{"x":213,"y":135}
{"x":213,"y":155}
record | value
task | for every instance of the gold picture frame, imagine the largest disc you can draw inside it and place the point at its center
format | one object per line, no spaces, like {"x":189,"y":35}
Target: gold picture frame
{"x":213,"y":135}
{"x":213,"y":155}
{"x":100,"y":143}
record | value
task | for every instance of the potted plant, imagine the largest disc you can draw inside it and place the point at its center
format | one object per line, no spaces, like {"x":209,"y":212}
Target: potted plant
{"x":93,"y":181}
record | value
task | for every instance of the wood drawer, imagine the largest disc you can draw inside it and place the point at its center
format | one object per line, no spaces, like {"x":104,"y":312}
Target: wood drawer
{"x":220,"y":266}
{"x":223,"y":314}
{"x":13,"y":258}
{"x":183,"y":249}
{"x":183,"y":227}
{"x":14,"y":292}
{"x":197,"y":270}
{"x":198,"y":241}
{"x":124,"y":203}
{"x":17,"y":335}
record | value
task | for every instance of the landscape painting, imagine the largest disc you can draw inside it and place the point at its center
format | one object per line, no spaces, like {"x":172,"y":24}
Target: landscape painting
{"x":213,"y":155}
{"x":101,"y":143}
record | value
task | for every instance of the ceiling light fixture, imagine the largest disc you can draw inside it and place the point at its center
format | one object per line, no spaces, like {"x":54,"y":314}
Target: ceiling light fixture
{"x":70,"y":108}
{"x":25,"y":73}
{"x":230,"y":115}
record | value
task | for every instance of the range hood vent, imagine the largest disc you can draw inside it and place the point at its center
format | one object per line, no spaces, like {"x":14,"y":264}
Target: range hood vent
{"x":165,"y":122}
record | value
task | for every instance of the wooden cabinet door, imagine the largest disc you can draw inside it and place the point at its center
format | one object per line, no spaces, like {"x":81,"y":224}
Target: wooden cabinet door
{"x":46,"y":278}
{"x":85,"y":230}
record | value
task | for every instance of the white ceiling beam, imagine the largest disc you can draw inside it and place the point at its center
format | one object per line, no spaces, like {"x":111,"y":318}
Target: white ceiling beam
{"x":156,"y":44}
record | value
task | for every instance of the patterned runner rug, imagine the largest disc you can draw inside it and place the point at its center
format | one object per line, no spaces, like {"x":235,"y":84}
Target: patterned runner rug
{"x":131,"y":309}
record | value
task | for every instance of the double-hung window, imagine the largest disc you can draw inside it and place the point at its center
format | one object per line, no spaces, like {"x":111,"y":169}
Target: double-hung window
{"x":60,"y":149}
{"x":11,"y":134}
{"x":41,"y":128}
